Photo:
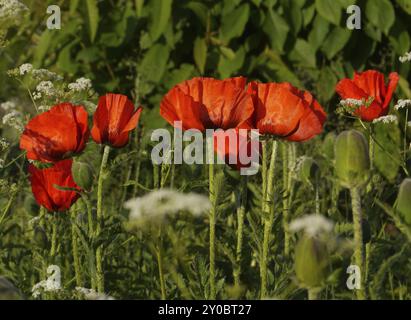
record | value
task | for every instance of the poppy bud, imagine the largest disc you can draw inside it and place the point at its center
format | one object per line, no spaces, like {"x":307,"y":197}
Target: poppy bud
{"x":352,"y":161}
{"x":309,"y":171}
{"x":328,"y":145}
{"x":311,"y":260}
{"x":82,"y":174}
{"x":403,"y":205}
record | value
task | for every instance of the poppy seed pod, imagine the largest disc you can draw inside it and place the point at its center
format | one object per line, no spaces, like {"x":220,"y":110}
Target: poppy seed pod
{"x":352,"y":161}
{"x":403,"y":205}
{"x":82,"y":174}
{"x":311,"y":260}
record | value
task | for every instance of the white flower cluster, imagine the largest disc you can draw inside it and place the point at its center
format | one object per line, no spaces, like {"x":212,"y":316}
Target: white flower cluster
{"x":25,"y":68}
{"x":386,"y":119}
{"x":351,"y":103}
{"x":10,"y":9}
{"x":51,"y":284}
{"x":14,"y":119}
{"x":81,"y":84}
{"x":8,"y":105}
{"x":3,"y":144}
{"x":312,"y":225}
{"x":91,"y":294}
{"x":406,"y":57}
{"x":45,"y":88}
{"x":44,"y":74}
{"x":160,"y":203}
{"x":401,"y":104}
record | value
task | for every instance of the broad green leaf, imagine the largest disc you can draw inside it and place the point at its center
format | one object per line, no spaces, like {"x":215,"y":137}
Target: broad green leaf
{"x":42,"y":47}
{"x":93,"y":18}
{"x":294,"y":15}
{"x":154,"y":63}
{"x":139,"y":7}
{"x":335,"y":41}
{"x":308,"y":14}
{"x":318,"y":32}
{"x":330,"y":10}
{"x":181,"y":74}
{"x":65,"y":61}
{"x":326,"y":84}
{"x":73,"y":6}
{"x":404,"y":86}
{"x":388,"y":148}
{"x":228,"y":66}
{"x":159,"y":17}
{"x":304,"y":53}
{"x":233,"y":24}
{"x":405,"y":5}
{"x":200,"y":10}
{"x":200,"y":54}
{"x":276,"y":28}
{"x":381,"y":14}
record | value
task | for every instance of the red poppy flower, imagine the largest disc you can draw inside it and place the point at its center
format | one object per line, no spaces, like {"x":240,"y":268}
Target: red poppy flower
{"x":43,"y":182}
{"x":231,"y":143}
{"x":56,"y":134}
{"x":283,"y":110}
{"x":368,"y":84}
{"x":207,"y":103}
{"x":113,"y":120}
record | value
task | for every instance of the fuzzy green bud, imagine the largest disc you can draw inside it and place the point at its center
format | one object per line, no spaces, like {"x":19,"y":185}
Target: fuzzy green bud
{"x":311,"y":261}
{"x":352,"y":161}
{"x":82,"y":174}
{"x":403,"y":205}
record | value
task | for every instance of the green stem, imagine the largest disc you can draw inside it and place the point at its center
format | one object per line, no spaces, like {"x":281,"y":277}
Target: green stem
{"x":358,"y":238}
{"x":53,"y":250}
{"x":76,"y":255}
{"x":212,"y":217}
{"x":371,"y":147}
{"x":405,"y":137}
{"x":240,"y":229}
{"x":100,"y":220}
{"x":268,"y":212}
{"x":286,"y":194}
{"x":90,"y":222}
{"x":160,"y":269}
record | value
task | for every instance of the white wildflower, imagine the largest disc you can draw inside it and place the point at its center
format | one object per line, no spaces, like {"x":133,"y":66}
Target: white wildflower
{"x":351,"y":103}
{"x":8,"y":105}
{"x":406,"y":57}
{"x":46,"y":88}
{"x":386,"y":119}
{"x":51,"y":284}
{"x":37,"y":95}
{"x":44,"y":74}
{"x":42,"y":108}
{"x":3,"y":144}
{"x":312,"y":225}
{"x":14,"y":119}
{"x":91,"y":294}
{"x":25,"y":68}
{"x":11,"y":9}
{"x":160,"y":203}
{"x":401,"y":104}
{"x":81,"y":84}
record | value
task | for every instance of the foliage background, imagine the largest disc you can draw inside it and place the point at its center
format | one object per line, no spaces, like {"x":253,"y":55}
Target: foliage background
{"x":142,"y":48}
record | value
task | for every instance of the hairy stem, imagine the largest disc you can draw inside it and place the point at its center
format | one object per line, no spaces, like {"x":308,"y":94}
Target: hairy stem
{"x":358,"y":238}
{"x":240,"y":226}
{"x":76,"y":255}
{"x":100,"y":220}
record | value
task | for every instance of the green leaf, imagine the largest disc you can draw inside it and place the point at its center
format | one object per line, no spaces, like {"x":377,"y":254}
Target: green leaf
{"x":159,"y":17}
{"x":303,"y":52}
{"x":381,"y":14}
{"x":228,"y":66}
{"x":405,"y":5}
{"x":330,"y":10}
{"x":318,"y":32}
{"x":276,"y":28}
{"x":326,"y":84}
{"x":335,"y":41}
{"x":234,"y":22}
{"x":200,"y":54}
{"x":389,"y":137}
{"x":293,"y":14}
{"x":65,"y":61}
{"x":93,"y":17}
{"x":154,"y":63}
{"x":200,"y":10}
{"x":42,"y":47}
{"x":139,"y":7}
